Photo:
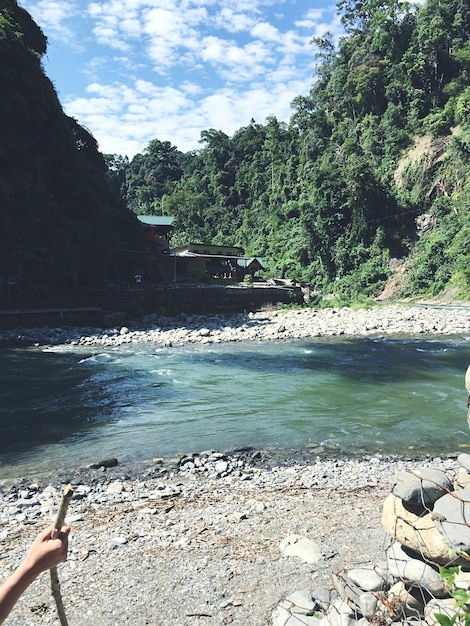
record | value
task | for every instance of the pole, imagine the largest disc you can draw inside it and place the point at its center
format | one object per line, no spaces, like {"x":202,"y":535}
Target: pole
{"x":59,"y":522}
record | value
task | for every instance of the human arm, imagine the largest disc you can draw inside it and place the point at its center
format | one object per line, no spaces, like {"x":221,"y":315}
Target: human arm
{"x":43,"y":554}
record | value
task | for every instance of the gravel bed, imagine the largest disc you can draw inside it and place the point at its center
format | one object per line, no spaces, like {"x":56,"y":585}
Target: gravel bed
{"x":195,"y":540}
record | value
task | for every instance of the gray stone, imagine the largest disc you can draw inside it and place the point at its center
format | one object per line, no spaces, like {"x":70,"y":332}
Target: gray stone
{"x":368,"y":604}
{"x":417,"y":532}
{"x":369,"y":578}
{"x":462,"y":579}
{"x":406,"y":567}
{"x":421,"y":486}
{"x":302,"y":602}
{"x":464,"y":460}
{"x":451,"y":517}
{"x":462,"y":480}
{"x":404,"y":601}
{"x":105,"y":463}
{"x":115,"y":542}
{"x":444,"y":606}
{"x":347,"y":590}
{"x":221,"y":467}
{"x":283,"y":616}
{"x":115,"y":487}
{"x":323,"y":598}
{"x":340,"y":614}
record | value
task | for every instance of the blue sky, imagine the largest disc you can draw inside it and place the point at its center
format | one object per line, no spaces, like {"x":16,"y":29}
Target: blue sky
{"x":135,"y":70}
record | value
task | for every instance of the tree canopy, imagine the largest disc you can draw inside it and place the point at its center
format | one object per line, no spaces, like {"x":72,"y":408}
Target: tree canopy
{"x":333,"y":196}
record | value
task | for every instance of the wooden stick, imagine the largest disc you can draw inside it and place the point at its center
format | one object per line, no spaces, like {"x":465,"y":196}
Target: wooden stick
{"x":59,"y":522}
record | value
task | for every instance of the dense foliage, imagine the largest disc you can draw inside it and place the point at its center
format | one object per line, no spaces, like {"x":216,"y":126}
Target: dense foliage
{"x":61,"y":227}
{"x":332,"y":197}
{"x":372,"y":167}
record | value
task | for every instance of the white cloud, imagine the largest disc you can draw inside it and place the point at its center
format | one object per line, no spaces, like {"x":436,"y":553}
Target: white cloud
{"x":265,"y":31}
{"x":311,"y":18}
{"x":193,"y":89}
{"x":233,"y":21}
{"x":111,"y":27}
{"x":125,"y":119}
{"x":52,"y":16}
{"x":236,"y":63}
{"x":169,"y":69}
{"x":171,"y":35}
{"x":320,"y":21}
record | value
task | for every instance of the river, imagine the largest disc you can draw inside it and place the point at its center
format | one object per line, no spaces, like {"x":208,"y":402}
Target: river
{"x":65,"y":406}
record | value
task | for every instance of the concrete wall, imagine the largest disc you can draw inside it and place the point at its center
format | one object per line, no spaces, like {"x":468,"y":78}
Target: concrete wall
{"x":219,"y":299}
{"x":29,"y":318}
{"x":109,"y":307}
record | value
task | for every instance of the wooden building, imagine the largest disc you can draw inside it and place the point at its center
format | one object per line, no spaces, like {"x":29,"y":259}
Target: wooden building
{"x":156,"y":232}
{"x":193,"y":261}
{"x":216,"y":261}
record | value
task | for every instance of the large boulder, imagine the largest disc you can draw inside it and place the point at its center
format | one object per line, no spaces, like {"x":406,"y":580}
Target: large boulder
{"x":421,"y":486}
{"x":451,"y":517}
{"x":417,"y":532}
{"x":407,"y":566}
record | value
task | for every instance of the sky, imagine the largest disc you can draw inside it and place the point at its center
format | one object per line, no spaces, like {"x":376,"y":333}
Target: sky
{"x":135,"y":70}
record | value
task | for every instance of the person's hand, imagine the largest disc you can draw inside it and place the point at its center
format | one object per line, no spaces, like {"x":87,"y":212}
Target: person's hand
{"x":45,"y":552}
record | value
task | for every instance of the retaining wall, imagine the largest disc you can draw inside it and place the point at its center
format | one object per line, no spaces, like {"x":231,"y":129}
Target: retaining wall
{"x":135,"y":302}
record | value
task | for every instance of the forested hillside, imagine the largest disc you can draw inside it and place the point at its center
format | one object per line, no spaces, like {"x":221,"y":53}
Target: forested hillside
{"x":61,"y":227}
{"x":369,"y":174}
{"x":372,"y":166}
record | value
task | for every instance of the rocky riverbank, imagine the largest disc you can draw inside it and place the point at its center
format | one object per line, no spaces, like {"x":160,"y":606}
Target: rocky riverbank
{"x":212,"y":539}
{"x":260,"y":326}
{"x":207,"y":539}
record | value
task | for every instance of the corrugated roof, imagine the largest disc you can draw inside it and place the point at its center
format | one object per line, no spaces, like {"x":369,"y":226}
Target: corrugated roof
{"x":156,"y":220}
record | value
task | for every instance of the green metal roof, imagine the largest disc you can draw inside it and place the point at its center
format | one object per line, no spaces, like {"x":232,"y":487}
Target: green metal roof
{"x":246,"y":262}
{"x":156,"y":220}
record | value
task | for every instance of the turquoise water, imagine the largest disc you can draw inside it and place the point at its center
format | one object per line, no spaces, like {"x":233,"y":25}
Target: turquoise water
{"x":64,"y":407}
